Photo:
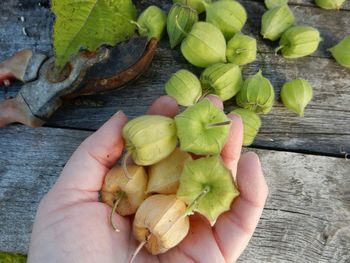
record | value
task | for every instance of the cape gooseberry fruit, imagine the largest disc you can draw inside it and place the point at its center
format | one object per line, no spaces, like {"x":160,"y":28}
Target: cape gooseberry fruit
{"x":275,"y":21}
{"x":151,"y":23}
{"x":296,"y":94}
{"x":184,"y":87}
{"x":241,"y":49}
{"x":198,"y":5}
{"x":299,"y":41}
{"x":123,"y":194}
{"x":274,"y":3}
{"x":204,"y":45}
{"x":207,"y":187}
{"x":251,"y":125}
{"x":330,"y":4}
{"x":202,"y":128}
{"x":160,"y":223}
{"x":164,"y":176}
{"x":257,"y":94}
{"x":223,"y":80}
{"x":229,"y":16}
{"x":150,"y":138}
{"x":341,"y":52}
{"x":180,"y":18}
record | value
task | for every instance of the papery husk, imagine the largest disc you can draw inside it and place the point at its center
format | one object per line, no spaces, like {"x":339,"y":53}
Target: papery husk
{"x":161,"y":223}
{"x":133,"y":189}
{"x":164,"y":176}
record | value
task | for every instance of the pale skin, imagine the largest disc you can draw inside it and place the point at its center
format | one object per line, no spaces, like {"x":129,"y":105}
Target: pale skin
{"x":71,"y":225}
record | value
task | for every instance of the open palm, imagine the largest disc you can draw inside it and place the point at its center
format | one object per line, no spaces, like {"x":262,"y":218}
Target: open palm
{"x":71,"y":225}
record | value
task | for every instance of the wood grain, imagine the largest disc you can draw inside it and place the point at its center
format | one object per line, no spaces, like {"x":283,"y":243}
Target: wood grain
{"x":325,"y":128}
{"x":306,"y":219}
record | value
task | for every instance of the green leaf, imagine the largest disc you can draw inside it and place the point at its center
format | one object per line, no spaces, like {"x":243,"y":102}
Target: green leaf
{"x":88,"y":24}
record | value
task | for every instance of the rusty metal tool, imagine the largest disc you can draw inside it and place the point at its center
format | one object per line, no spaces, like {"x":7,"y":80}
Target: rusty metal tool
{"x":87,"y":73}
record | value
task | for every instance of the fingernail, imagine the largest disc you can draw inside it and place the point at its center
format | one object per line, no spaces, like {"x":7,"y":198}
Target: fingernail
{"x":118,"y":112}
{"x":252,"y":157}
{"x":213,"y":96}
{"x":120,"y":115}
{"x":216,"y":101}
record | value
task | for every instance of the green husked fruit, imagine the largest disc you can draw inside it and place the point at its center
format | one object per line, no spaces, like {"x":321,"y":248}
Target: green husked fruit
{"x":296,"y":94}
{"x":150,"y":138}
{"x":275,"y":21}
{"x":181,"y":18}
{"x":152,"y":22}
{"x":202,"y":128}
{"x":251,"y":125}
{"x":241,"y":49}
{"x":275,"y":3}
{"x":299,"y":41}
{"x":330,"y":4}
{"x":198,"y":5}
{"x":184,"y":87}
{"x":229,"y":16}
{"x":207,"y":187}
{"x":341,"y":52}
{"x":204,"y":45}
{"x":223,"y":80}
{"x":257,"y":94}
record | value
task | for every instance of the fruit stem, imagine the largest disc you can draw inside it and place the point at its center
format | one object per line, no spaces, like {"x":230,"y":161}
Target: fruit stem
{"x":138,"y":249}
{"x":218,"y":124}
{"x":194,"y":203}
{"x":205,"y":92}
{"x":120,"y":196}
{"x":278,"y":49}
{"x":125,"y":166}
{"x":140,"y":28}
{"x":205,"y":3}
{"x":240,"y":50}
{"x":179,"y":26}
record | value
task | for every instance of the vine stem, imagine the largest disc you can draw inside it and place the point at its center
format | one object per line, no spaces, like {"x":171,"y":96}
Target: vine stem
{"x":218,"y":124}
{"x":278,"y":49}
{"x":205,"y":3}
{"x":120,"y":196}
{"x":179,"y":26}
{"x":139,"y":247}
{"x":140,"y":28}
{"x":194,"y":203}
{"x":240,"y":50}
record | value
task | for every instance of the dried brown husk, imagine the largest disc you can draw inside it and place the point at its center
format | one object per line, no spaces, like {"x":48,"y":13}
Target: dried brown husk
{"x":164,"y":176}
{"x":160,"y":223}
{"x":132,"y":192}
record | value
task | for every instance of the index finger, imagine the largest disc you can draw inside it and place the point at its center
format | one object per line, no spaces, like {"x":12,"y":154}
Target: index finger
{"x":233,"y":147}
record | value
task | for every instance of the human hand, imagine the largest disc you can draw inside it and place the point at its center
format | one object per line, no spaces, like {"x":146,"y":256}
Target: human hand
{"x":71,"y":224}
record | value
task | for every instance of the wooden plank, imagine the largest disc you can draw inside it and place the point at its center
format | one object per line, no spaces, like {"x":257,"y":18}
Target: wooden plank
{"x":306,"y":219}
{"x":324,"y":129}
{"x":345,"y":6}
{"x":327,"y":114}
{"x":333,"y":25}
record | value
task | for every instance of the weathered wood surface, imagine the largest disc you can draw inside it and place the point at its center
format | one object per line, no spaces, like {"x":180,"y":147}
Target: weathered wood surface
{"x":306,"y":219}
{"x":324,"y":130}
{"x":307,"y":216}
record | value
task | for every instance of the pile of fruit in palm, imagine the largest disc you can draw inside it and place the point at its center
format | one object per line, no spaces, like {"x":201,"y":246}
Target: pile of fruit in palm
{"x":177,"y":170}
